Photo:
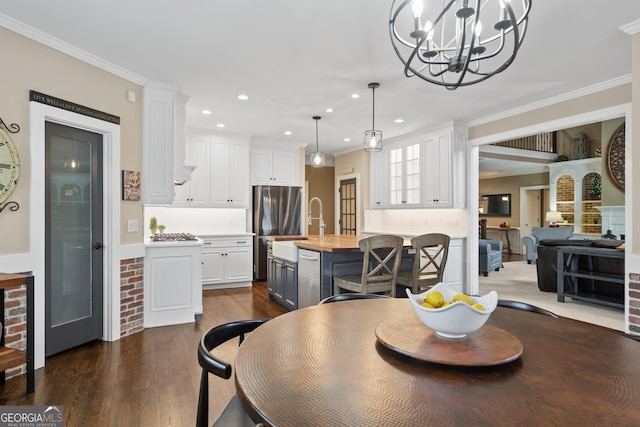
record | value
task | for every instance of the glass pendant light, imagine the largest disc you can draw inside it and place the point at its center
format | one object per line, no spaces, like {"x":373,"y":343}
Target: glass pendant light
{"x":317,"y":157}
{"x":373,"y":137}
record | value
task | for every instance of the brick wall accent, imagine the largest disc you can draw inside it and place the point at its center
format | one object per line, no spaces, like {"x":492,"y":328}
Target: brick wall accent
{"x":565,"y":188}
{"x":634,"y":303}
{"x":15,"y":324}
{"x":131,"y":296}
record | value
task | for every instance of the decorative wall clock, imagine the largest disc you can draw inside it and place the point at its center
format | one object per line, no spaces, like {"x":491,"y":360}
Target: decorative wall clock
{"x":9,"y":165}
{"x":615,"y":157}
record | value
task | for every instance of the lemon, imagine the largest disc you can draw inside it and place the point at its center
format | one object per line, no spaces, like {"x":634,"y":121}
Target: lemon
{"x":434,"y":298}
{"x":427,"y":305}
{"x":462,"y":297}
{"x":446,"y":303}
{"x":478,"y":307}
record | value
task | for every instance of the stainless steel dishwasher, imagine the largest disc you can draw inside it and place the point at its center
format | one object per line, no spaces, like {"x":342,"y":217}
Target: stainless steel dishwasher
{"x":308,"y":278}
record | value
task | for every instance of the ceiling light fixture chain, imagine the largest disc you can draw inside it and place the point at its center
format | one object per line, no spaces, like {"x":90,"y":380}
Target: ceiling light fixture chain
{"x":447,"y":46}
{"x":373,"y":137}
{"x":317,"y":157}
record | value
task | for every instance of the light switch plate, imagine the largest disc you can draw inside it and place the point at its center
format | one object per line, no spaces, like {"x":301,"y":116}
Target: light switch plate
{"x":132,"y":225}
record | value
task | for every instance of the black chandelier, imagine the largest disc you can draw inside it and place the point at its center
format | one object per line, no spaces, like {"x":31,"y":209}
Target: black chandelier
{"x":462,"y":43}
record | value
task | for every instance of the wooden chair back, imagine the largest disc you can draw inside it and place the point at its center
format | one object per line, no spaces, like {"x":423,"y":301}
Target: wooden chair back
{"x":381,"y":259}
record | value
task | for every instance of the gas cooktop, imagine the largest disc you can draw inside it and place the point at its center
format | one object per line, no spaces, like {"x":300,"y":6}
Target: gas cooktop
{"x":172,"y":237}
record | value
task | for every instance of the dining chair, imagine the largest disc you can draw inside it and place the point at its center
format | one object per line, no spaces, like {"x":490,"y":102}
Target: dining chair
{"x":432,"y":251}
{"x":380,"y":265}
{"x":233,"y":414}
{"x":350,"y":296}
{"x":519,"y":305}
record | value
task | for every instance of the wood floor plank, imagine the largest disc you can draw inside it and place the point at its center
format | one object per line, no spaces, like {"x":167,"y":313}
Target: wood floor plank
{"x":147,"y":379}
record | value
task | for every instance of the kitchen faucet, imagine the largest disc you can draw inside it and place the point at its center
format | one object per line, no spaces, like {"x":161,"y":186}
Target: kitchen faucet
{"x":322,"y":224}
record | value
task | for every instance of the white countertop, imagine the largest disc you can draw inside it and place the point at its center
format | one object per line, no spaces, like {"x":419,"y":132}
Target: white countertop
{"x":214,"y":235}
{"x":173,"y":243}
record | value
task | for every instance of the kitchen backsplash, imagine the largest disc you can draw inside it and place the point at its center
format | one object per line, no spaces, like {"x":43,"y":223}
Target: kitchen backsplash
{"x":198,"y":221}
{"x":413,"y":222}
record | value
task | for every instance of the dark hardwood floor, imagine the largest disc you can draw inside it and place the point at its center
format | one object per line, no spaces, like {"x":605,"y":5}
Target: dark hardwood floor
{"x":147,"y":379}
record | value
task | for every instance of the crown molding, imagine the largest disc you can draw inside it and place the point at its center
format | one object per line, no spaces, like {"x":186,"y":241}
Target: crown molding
{"x":556,"y":99}
{"x":631,"y":28}
{"x":73,"y":51}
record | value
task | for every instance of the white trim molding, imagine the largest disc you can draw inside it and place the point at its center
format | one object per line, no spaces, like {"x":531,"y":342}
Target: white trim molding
{"x":39,"y":113}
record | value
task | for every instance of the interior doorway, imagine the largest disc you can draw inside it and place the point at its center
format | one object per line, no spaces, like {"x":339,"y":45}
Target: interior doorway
{"x":534,"y":203}
{"x":348,"y":206}
{"x":73,"y":237}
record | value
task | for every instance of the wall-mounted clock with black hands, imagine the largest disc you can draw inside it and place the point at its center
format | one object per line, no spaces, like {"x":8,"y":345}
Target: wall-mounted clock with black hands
{"x":9,"y":162}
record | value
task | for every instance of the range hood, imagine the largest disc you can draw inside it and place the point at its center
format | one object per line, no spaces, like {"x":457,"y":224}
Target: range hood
{"x":181,"y":169}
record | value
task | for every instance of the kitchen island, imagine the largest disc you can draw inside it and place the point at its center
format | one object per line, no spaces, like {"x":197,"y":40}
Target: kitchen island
{"x":303,"y":277}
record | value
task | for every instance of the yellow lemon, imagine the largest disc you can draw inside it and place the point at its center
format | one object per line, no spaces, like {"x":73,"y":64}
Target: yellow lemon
{"x":446,"y":303}
{"x":462,"y":297}
{"x":434,"y":298}
{"x":478,"y":307}
{"x":427,"y":305}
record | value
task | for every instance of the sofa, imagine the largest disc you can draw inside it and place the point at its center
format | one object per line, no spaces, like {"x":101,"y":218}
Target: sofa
{"x":530,"y":241}
{"x":547,"y":267}
{"x":490,"y":253}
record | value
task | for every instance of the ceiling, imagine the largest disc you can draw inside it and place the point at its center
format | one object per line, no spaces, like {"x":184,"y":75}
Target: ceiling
{"x":294,"y":59}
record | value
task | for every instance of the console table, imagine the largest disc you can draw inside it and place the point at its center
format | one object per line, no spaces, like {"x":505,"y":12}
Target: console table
{"x":9,"y":357}
{"x":505,"y":231}
{"x":568,"y":267}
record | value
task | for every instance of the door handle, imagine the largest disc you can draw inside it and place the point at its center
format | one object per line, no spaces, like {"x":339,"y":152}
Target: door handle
{"x":97,"y":245}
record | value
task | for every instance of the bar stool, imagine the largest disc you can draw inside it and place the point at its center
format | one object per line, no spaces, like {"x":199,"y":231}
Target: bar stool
{"x":430,"y":260}
{"x":379,"y":267}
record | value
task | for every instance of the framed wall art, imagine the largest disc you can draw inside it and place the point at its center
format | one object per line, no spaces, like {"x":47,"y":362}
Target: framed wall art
{"x":130,"y":185}
{"x":615,"y":157}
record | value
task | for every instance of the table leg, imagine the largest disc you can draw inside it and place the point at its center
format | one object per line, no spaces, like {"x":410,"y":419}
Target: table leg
{"x":508,"y":241}
{"x":560,"y":275}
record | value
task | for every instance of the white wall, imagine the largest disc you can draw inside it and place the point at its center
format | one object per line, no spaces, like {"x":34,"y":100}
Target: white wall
{"x":413,"y":222}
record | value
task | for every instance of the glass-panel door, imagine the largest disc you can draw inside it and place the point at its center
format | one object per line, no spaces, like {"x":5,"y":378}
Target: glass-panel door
{"x":73,"y":161}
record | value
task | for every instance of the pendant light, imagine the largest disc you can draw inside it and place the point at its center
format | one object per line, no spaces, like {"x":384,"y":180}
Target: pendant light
{"x":373,"y":137}
{"x":462,"y":43}
{"x":317,"y":157}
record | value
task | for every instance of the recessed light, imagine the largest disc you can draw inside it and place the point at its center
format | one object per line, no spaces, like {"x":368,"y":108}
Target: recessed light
{"x":347,"y":139}
{"x":329,"y":110}
{"x":399,"y":120}
{"x":206,"y":112}
{"x":220,"y":125}
{"x":243,"y":97}
{"x":287,"y":132}
{"x":355,"y":96}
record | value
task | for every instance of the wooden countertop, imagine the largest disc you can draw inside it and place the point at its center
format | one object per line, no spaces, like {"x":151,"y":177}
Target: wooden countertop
{"x":330,"y":243}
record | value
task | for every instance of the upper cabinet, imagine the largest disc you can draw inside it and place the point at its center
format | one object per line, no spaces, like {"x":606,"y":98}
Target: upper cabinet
{"x":274,"y":166}
{"x":158,"y":115}
{"x":230,"y":173}
{"x":422,"y":171}
{"x":221,"y":176}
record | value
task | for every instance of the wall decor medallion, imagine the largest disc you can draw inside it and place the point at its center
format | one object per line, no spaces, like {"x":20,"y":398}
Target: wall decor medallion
{"x":9,"y":165}
{"x":615,"y":157}
{"x":130,"y":185}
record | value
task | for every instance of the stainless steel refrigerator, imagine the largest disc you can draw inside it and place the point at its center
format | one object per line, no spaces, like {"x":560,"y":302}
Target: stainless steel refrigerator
{"x":277,"y":211}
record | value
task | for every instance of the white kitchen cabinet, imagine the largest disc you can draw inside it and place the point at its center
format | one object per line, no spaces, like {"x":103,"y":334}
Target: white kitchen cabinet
{"x":404,"y":178}
{"x":229,"y":173}
{"x":379,"y":187}
{"x":227,"y":262}
{"x":454,"y":271}
{"x":423,"y":171}
{"x":197,"y":191}
{"x":172,"y":283}
{"x":438,"y":171}
{"x":270,"y":167}
{"x":158,"y":109}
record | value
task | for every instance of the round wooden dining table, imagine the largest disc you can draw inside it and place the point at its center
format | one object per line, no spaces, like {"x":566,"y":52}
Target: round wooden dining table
{"x":324,"y":366}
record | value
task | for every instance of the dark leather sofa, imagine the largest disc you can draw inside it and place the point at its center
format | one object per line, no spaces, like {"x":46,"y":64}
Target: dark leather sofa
{"x":547,"y":268}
